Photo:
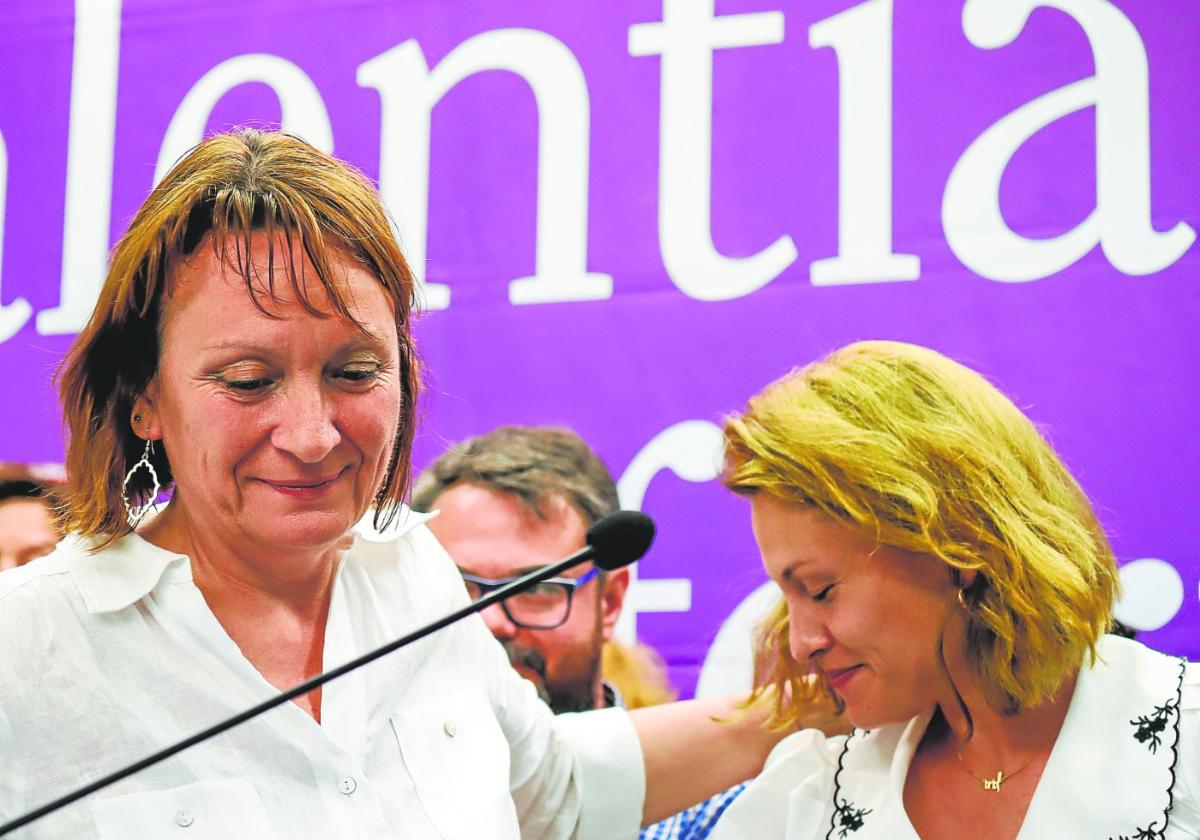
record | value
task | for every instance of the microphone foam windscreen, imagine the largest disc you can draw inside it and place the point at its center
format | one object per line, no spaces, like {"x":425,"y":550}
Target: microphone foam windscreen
{"x":620,"y":538}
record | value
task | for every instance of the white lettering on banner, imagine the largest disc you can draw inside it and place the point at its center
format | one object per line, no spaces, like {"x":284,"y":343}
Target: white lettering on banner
{"x":302,"y":111}
{"x":408,"y":91}
{"x":861,"y":37}
{"x":12,"y":315}
{"x":692,"y":450}
{"x":90,"y":140}
{"x":1121,"y":221}
{"x":685,"y":39}
{"x":1152,"y":594}
{"x":729,"y":665}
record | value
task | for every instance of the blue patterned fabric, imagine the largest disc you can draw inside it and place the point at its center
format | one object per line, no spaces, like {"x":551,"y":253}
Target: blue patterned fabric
{"x":696,"y":822}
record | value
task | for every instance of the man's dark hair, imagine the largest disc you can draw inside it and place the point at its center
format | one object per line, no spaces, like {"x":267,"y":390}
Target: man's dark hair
{"x":21,"y":488}
{"x":534,"y":463}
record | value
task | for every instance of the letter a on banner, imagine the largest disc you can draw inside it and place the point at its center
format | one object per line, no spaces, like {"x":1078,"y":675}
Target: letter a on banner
{"x":1121,"y":221}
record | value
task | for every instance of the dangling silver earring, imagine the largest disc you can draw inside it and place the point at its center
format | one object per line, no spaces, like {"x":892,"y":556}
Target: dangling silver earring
{"x":137,"y":512}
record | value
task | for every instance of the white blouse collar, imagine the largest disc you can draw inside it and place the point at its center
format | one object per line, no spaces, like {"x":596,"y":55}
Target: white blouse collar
{"x":120,"y":575}
{"x":1110,"y":773}
{"x":126,"y":571}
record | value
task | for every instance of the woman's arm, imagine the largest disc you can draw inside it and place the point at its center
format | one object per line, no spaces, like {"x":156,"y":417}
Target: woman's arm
{"x":697,"y":748}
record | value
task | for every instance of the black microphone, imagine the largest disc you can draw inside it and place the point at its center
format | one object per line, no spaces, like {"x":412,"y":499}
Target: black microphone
{"x":613,"y":541}
{"x":620,"y":538}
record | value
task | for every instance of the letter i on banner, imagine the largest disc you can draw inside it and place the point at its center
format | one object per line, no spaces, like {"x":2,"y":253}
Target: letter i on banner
{"x":862,"y":38}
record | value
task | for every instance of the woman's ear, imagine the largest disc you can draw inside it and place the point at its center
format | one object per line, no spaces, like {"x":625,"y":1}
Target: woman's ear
{"x":144,"y":417}
{"x":963,"y":578}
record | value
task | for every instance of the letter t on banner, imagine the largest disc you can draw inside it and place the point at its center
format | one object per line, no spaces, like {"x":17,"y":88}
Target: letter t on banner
{"x":686,"y":38}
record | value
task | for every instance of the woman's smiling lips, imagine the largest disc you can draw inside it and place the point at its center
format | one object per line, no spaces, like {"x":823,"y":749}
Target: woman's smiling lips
{"x":303,"y":488}
{"x":840,"y":676}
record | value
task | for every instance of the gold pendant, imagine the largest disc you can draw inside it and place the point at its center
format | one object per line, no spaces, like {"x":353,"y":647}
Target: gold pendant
{"x":994,"y":784}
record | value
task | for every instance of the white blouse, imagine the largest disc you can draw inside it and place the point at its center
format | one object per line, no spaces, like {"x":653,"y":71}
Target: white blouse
{"x":1126,"y":765}
{"x":107,"y":657}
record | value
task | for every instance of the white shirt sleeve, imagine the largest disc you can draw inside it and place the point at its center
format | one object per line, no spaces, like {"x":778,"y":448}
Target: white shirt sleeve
{"x":577,"y":777}
{"x":608,"y":761}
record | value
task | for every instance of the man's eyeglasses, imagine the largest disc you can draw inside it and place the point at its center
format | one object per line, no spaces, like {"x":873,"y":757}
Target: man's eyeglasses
{"x":546,"y":606}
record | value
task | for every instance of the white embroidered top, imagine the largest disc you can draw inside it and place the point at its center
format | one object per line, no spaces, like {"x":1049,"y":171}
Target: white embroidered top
{"x":106,"y":658}
{"x":1126,"y":764}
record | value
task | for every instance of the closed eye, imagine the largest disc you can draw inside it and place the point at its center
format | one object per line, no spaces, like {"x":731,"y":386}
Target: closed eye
{"x":247,"y":384}
{"x":357,"y":375}
{"x":823,"y":594}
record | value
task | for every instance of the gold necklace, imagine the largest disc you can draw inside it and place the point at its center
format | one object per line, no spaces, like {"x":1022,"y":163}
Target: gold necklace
{"x":993,"y":784}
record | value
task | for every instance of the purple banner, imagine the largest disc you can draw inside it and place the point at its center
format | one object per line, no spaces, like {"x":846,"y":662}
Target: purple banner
{"x":630,"y":216}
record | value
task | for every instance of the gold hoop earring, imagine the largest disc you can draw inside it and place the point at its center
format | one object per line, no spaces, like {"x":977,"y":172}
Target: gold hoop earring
{"x":962,"y":600}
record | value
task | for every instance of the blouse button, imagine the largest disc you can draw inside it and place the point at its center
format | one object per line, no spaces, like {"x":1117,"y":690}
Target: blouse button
{"x":347,"y":786}
{"x":450,"y":729}
{"x":184,"y":818}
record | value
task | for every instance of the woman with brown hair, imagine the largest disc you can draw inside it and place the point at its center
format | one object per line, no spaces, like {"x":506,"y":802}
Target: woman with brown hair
{"x":251,"y":351}
{"x":945,"y":576}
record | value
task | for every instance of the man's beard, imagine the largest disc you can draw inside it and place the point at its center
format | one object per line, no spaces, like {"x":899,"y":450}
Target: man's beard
{"x":576,"y":694}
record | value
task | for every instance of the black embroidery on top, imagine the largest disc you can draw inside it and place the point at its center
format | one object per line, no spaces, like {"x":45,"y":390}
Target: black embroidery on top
{"x":846,"y":818}
{"x":1151,"y":833}
{"x":1149,"y":728}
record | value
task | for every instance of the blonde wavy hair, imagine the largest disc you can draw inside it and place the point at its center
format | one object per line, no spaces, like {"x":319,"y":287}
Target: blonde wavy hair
{"x":922,"y":453}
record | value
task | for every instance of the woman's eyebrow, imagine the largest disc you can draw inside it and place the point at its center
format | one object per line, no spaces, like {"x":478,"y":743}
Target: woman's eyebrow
{"x":789,"y":572}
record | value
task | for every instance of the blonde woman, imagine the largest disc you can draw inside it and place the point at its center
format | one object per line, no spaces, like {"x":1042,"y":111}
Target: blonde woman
{"x":946,"y":577}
